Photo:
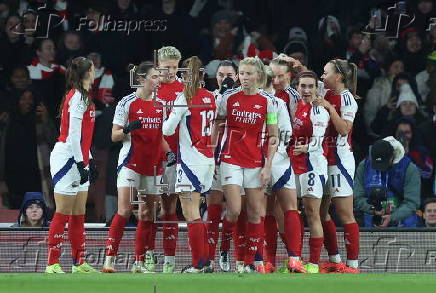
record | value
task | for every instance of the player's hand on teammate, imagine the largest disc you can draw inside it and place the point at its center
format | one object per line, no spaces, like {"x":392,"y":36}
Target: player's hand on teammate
{"x":93,"y":172}
{"x":171,"y":159}
{"x":132,"y":126}
{"x":300,"y":148}
{"x":319,"y":101}
{"x":296,"y":64}
{"x":265,"y":176}
{"x":84,"y":174}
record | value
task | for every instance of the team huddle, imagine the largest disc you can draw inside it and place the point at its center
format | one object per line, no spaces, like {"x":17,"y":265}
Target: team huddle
{"x":256,"y":147}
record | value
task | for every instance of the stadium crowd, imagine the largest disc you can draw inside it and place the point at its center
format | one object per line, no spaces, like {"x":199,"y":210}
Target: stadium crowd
{"x":38,"y":39}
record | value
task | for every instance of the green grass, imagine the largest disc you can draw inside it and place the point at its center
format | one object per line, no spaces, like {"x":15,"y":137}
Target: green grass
{"x":223,"y":283}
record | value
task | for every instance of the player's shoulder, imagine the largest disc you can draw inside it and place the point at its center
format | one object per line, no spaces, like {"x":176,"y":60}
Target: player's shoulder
{"x":347,"y":98}
{"x":126,"y":100}
{"x":319,"y":111}
{"x":292,"y":93}
{"x":231,"y":92}
{"x":268,"y":96}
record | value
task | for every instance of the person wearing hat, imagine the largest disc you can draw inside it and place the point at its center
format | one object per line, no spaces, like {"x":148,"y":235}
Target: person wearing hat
{"x":33,"y":211}
{"x":423,"y":77}
{"x":390,"y":179}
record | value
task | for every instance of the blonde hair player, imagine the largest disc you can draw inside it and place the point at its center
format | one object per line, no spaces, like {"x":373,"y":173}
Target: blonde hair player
{"x":195,"y":166}
{"x":340,"y":78}
{"x":72,"y":168}
{"x":249,"y":112}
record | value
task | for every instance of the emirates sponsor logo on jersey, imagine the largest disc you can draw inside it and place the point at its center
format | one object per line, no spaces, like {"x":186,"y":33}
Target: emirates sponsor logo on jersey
{"x":298,"y":122}
{"x":236,"y":104}
{"x":257,"y":106}
{"x":206,"y":100}
{"x":140,"y":112}
{"x":151,"y":122}
{"x":246,"y":116}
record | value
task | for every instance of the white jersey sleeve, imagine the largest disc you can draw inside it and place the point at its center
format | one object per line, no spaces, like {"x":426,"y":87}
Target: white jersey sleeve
{"x":348,"y":106}
{"x":176,"y":115}
{"x":284,"y":122}
{"x":77,"y":106}
{"x":320,"y":120}
{"x":121,"y":116}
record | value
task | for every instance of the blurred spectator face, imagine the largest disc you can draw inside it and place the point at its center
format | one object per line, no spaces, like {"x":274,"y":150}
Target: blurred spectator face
{"x":282,"y":77}
{"x":396,"y":68}
{"x":47,"y":53}
{"x":168,"y":6}
{"x":300,"y":56}
{"x":72,"y":42}
{"x":223,"y":72}
{"x":222,"y":29}
{"x":173,"y":67}
{"x":4,"y":10}
{"x":20,"y":78}
{"x":429,"y":214}
{"x":13,"y":28}
{"x":408,"y":108}
{"x":25,"y":103}
{"x":123,"y":4}
{"x":406,"y":130}
{"x":29,"y":23}
{"x":94,"y":17}
{"x":413,"y":43}
{"x":425,"y":6}
{"x":34,"y":213}
{"x":96,"y":59}
{"x":248,"y":76}
{"x":355,"y":41}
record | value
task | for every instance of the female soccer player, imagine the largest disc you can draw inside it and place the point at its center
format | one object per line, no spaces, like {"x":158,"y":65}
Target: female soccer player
{"x":309,"y":163}
{"x":138,"y":124}
{"x":226,"y":76}
{"x":194,"y":111}
{"x":168,"y":58}
{"x":283,"y":188}
{"x":340,"y":79}
{"x":249,"y":112}
{"x":72,"y":168}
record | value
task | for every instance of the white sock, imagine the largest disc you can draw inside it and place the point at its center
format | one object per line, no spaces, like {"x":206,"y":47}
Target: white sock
{"x":170,"y":259}
{"x":353,"y":263}
{"x":335,"y":258}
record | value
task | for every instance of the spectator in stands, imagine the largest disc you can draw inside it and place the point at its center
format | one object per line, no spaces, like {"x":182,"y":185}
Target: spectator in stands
{"x":124,"y":9}
{"x":27,"y":142}
{"x":48,"y":77}
{"x":70,"y":45}
{"x":428,"y":132}
{"x":422,"y":10}
{"x":405,"y":132}
{"x":423,"y":78}
{"x":30,"y":24}
{"x":387,"y":186}
{"x":101,"y":90}
{"x":33,"y":211}
{"x":412,"y":51}
{"x":20,"y":79}
{"x":381,"y":90}
{"x":429,"y":214}
{"x":403,"y":102}
{"x":297,"y":46}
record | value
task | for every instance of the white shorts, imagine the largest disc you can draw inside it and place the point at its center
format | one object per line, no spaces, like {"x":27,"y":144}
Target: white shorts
{"x":282,"y":174}
{"x":216,"y":182}
{"x":169,"y":179}
{"x":340,"y":180}
{"x":148,"y":184}
{"x":245,"y":177}
{"x":310,"y":184}
{"x":196,"y":178}
{"x":65,"y":175}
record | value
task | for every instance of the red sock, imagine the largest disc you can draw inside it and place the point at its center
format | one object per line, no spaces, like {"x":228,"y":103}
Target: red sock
{"x":292,"y":232}
{"x":315,"y":245}
{"x":206,"y":244}
{"x":142,"y":234}
{"x":77,"y":236}
{"x":252,"y":237}
{"x":56,"y":237}
{"x":239,"y":236}
{"x":351,"y":237}
{"x":152,"y":239}
{"x":213,"y":216}
{"x":170,"y":235}
{"x":302,"y":235}
{"x":330,"y":240}
{"x":261,"y":244}
{"x":227,"y":234}
{"x":283,"y":238}
{"x":116,"y":232}
{"x":196,"y":242}
{"x":270,"y":227}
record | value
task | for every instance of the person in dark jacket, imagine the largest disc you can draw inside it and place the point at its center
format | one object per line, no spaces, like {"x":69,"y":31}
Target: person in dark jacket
{"x":33,"y":211}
